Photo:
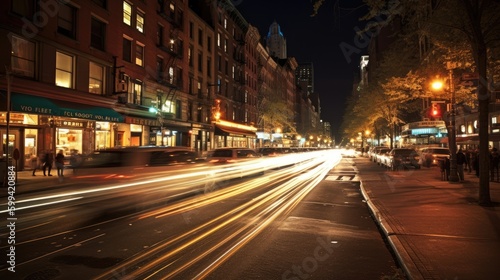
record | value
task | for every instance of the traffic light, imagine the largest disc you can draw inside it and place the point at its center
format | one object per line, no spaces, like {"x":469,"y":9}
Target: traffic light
{"x":435,"y":110}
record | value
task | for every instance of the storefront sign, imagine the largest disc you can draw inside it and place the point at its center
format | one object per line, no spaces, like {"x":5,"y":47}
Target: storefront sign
{"x":39,"y":105}
{"x":140,"y":121}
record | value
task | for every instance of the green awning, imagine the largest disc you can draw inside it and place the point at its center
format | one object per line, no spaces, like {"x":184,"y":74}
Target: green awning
{"x":39,"y":105}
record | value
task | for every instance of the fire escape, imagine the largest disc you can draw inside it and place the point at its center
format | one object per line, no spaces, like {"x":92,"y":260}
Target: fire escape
{"x":168,"y":74}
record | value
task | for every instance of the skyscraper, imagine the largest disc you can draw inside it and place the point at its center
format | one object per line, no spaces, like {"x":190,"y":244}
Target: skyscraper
{"x":276,"y":42}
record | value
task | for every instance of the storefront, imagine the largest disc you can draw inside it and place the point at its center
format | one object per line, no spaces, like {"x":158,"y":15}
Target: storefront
{"x":38,"y":124}
{"x":229,"y":134}
{"x":423,"y":133}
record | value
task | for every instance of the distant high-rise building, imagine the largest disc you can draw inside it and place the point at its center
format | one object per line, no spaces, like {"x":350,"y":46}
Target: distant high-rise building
{"x":276,"y":42}
{"x":305,"y":76}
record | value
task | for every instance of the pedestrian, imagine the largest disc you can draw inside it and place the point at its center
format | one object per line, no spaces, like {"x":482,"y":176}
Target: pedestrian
{"x":35,"y":163}
{"x":75,"y":160}
{"x":48,"y":159}
{"x":60,"y":163}
{"x":494,"y":161}
{"x":461,"y":161}
{"x":468,"y":158}
{"x":476,"y":162}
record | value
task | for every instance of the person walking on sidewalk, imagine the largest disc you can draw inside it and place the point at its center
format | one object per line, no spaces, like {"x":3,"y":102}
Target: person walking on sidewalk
{"x":60,"y":163}
{"x":35,"y":163}
{"x":461,"y":160}
{"x":48,"y":159}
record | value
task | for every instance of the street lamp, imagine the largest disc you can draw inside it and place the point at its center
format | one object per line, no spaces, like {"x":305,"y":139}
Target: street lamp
{"x":452,"y":134}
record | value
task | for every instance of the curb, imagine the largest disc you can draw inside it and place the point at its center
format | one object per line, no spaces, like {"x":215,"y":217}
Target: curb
{"x":404,"y":259}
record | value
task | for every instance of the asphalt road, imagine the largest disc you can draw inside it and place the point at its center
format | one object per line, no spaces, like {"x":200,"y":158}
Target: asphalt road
{"x":289,"y":223}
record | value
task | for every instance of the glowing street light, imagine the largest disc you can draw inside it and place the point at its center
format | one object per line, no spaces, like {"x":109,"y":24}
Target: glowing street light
{"x":452,"y":140}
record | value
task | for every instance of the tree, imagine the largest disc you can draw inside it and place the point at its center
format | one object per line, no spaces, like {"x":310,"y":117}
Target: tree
{"x":474,"y":23}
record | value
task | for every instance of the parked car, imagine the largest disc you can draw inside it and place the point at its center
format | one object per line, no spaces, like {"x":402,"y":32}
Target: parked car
{"x":433,"y":155}
{"x":403,"y":158}
{"x":380,"y":156}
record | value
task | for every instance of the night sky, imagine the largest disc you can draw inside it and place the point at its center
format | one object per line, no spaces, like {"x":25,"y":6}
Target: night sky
{"x":315,"y":39}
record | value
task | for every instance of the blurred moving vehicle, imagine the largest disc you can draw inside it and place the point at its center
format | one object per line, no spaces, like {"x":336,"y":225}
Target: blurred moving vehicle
{"x":431,"y":156}
{"x":232,"y":155}
{"x":399,"y":158}
{"x":140,"y":156}
{"x":348,"y":153}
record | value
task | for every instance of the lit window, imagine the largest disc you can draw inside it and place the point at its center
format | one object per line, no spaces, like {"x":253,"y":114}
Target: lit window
{"x":140,"y":21}
{"x":127,"y":13}
{"x":218,"y":39}
{"x":137,"y":94}
{"x":64,"y":70}
{"x":96,"y":78}
{"x":139,"y":54}
{"x":23,"y":57}
{"x":225,"y":23}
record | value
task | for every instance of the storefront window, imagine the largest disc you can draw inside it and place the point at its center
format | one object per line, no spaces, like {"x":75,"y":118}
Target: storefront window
{"x":30,"y":147}
{"x":103,"y":135}
{"x":68,"y":140}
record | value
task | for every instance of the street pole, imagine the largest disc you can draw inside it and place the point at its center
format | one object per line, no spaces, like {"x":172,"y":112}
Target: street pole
{"x":452,"y":140}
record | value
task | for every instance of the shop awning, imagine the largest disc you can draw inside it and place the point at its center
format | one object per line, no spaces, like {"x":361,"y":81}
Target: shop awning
{"x":233,"y":131}
{"x":39,"y":105}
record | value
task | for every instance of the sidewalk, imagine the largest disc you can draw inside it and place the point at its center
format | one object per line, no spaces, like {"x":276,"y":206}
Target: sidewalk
{"x":27,"y":183}
{"x":436,"y":228}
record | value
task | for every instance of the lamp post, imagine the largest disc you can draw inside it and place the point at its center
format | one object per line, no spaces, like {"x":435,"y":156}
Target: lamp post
{"x":452,"y":134}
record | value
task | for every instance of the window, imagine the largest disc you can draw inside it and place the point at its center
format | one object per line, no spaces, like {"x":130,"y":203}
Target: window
{"x":172,"y":9}
{"x":226,"y":67}
{"x":127,"y":13}
{"x":200,"y":37}
{"x":209,"y":43}
{"x":178,"y":107}
{"x":219,"y":63}
{"x":137,"y":93}
{"x":225,"y":23}
{"x":190,"y":85}
{"x":209,"y":66}
{"x":232,"y":71}
{"x":139,"y":18}
{"x":127,"y":50}
{"x":159,"y":35}
{"x":66,"y":21}
{"x":101,"y":3}
{"x":168,"y":106}
{"x":225,"y":45}
{"x":159,"y":68}
{"x":24,"y":8}
{"x":139,"y":54}
{"x":64,"y":70}
{"x":23,"y":57}
{"x":171,"y":75}
{"x":98,"y":34}
{"x":200,"y":62}
{"x":96,"y":78}
{"x":190,"y":110}
{"x":218,"y":39}
{"x":190,"y":55}
{"x":191,"y":30}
